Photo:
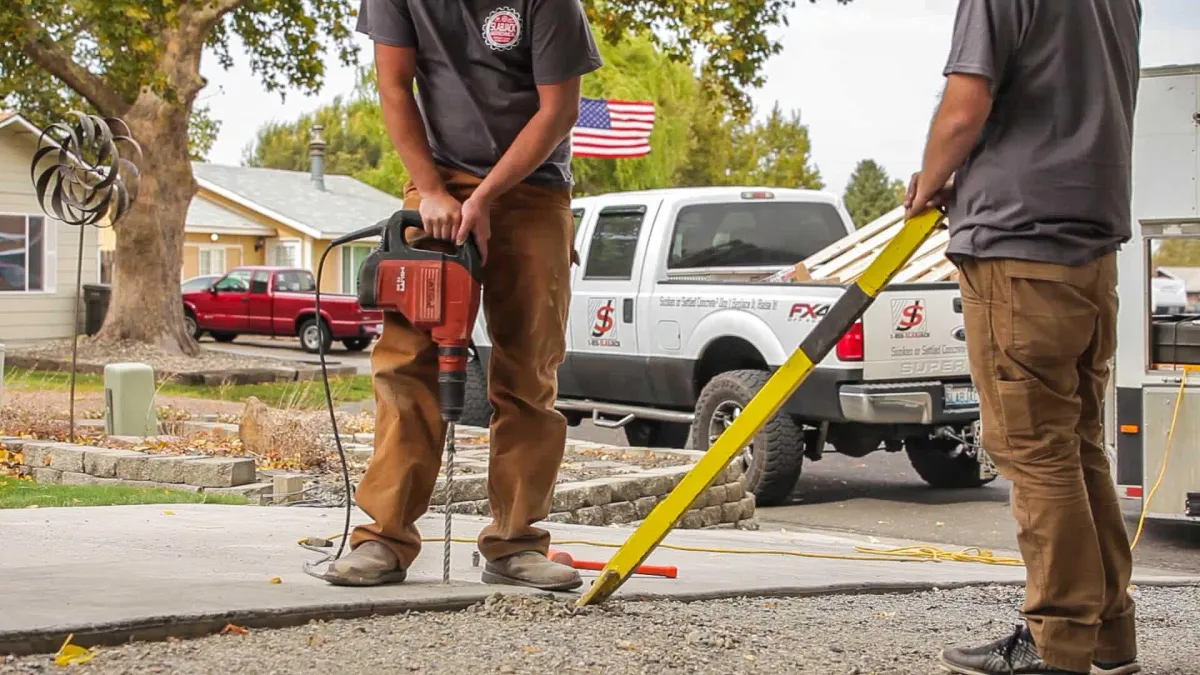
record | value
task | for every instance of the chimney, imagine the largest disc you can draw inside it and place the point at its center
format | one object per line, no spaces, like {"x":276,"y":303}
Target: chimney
{"x":316,"y":152}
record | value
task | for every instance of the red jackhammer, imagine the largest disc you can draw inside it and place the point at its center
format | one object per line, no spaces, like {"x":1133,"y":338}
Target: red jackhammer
{"x":435,"y":291}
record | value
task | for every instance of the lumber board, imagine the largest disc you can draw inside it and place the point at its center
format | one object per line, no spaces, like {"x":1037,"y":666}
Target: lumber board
{"x":854,"y":238}
{"x":865,"y":249}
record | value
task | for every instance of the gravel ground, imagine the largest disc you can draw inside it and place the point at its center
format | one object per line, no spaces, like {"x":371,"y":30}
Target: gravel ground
{"x":837,"y":635}
{"x":93,"y":353}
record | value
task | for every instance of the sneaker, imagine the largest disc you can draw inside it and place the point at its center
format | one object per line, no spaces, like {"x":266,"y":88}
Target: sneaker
{"x":531,"y":569}
{"x":1123,"y":668}
{"x":1013,"y":655}
{"x":371,"y":564}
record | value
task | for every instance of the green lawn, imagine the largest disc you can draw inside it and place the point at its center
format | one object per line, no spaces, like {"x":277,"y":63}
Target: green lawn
{"x":20,"y":494}
{"x":309,"y":394}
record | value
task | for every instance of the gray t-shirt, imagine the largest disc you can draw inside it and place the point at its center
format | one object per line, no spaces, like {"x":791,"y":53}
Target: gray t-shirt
{"x":479,"y":63}
{"x":1050,"y":179}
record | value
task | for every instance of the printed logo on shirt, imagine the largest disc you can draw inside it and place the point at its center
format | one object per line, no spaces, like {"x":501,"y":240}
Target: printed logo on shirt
{"x":502,"y":29}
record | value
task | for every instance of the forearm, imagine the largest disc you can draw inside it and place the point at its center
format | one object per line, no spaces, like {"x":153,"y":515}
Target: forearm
{"x":407,"y":131}
{"x":951,"y":139}
{"x":544,"y":132}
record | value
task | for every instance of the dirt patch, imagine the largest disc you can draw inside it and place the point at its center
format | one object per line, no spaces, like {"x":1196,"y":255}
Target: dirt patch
{"x":97,"y":355}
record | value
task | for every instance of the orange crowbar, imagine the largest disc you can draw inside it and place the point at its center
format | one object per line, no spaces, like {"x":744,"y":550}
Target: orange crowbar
{"x":564,"y":558}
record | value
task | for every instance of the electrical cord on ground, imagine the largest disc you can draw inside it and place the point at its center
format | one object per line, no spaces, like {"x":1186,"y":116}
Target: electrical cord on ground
{"x":337,"y":438}
{"x":1162,"y":472}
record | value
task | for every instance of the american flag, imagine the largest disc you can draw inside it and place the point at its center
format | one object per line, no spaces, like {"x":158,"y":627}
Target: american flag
{"x":612,"y":129}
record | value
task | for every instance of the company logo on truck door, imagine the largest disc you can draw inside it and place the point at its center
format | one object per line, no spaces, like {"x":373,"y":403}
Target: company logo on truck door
{"x":807,"y":312}
{"x":908,"y":319}
{"x":604,"y":326}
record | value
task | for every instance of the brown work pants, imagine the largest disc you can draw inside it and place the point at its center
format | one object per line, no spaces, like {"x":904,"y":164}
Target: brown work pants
{"x":526,"y":294}
{"x":1040,"y":338}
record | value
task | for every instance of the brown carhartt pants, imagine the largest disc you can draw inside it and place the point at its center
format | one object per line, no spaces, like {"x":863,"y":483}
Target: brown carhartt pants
{"x":526,"y":294}
{"x":1040,"y":338}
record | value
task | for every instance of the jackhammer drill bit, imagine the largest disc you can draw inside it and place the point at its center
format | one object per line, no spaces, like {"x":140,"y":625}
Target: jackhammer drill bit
{"x":448,"y":501}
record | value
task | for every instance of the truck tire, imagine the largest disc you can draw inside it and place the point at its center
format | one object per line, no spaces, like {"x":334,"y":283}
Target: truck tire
{"x":931,"y":459}
{"x":773,"y":461}
{"x":656,"y":434}
{"x":224,"y":337}
{"x":192,"y":326}
{"x":356,"y":344}
{"x":310,"y":332}
{"x":477,"y":409}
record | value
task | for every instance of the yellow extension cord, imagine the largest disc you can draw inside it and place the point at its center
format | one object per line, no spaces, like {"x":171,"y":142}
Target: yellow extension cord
{"x":868,"y":554}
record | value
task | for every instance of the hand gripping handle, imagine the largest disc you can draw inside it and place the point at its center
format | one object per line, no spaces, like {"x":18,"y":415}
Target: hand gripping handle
{"x":467,"y":255}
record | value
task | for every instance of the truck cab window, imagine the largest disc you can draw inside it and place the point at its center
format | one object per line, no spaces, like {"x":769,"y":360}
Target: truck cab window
{"x":295,"y":282}
{"x":237,"y":281}
{"x":258,"y":283}
{"x":751,"y":234}
{"x":614,"y":243}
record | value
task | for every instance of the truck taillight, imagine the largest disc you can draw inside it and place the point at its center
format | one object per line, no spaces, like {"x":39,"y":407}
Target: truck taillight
{"x":850,"y":347}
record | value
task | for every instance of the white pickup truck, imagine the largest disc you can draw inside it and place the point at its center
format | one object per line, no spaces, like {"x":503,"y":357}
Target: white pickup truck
{"x":669,"y":338}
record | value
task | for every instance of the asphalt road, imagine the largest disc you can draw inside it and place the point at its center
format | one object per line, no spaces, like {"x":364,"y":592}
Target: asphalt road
{"x":877,"y":495}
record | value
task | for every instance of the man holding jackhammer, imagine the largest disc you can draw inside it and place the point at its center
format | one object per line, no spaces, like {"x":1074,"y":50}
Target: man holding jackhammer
{"x":486,"y":142}
{"x":1035,"y":126}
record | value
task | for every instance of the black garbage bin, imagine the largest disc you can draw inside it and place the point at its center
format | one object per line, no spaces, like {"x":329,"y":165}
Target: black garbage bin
{"x":95,"y":306}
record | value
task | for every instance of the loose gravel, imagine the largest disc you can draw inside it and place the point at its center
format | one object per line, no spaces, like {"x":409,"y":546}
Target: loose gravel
{"x":836,"y":635}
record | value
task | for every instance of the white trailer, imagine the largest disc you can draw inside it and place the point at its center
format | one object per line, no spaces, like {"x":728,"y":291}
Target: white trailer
{"x":1156,"y":351}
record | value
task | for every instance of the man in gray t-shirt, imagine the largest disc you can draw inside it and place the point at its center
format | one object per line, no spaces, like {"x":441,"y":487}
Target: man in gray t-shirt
{"x":486,"y":142}
{"x":1035,"y":127}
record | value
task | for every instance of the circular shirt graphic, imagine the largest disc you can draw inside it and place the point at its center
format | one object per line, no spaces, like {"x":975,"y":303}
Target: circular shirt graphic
{"x":502,"y":29}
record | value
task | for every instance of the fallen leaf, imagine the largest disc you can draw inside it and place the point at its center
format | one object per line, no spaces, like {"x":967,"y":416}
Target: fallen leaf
{"x":70,"y":655}
{"x":531,"y":650}
{"x":276,"y":580}
{"x":237,"y":630}
{"x":32,"y":506}
{"x":939,"y":524}
{"x":168,"y":513}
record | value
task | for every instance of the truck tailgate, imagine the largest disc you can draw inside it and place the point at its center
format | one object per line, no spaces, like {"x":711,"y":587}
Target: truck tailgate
{"x":915,"y":331}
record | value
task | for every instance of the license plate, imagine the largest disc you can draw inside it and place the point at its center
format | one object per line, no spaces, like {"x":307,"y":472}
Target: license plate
{"x":960,"y":395}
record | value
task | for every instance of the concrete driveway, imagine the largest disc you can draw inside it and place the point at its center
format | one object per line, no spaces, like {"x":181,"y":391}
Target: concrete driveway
{"x":288,"y":349}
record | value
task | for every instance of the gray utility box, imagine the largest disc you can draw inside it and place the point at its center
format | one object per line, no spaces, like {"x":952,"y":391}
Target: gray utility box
{"x":1183,"y":466}
{"x":129,"y":400}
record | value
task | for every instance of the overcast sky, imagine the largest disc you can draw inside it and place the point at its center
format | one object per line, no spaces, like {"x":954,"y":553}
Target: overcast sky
{"x":865,"y":77}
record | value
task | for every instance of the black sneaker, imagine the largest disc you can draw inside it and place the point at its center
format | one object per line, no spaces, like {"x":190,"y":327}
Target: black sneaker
{"x":1122,"y":668}
{"x":1013,"y":655}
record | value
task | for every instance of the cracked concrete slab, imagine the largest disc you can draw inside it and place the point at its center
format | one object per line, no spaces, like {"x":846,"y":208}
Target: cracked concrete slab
{"x":110,"y":574}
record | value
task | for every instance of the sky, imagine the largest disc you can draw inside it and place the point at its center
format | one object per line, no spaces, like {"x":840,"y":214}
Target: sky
{"x":865,"y":77}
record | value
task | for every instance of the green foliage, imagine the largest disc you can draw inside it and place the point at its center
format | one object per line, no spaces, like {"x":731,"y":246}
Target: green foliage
{"x":21,"y":494}
{"x":202,"y":133}
{"x":871,"y":192}
{"x":697,"y":139}
{"x":1178,"y":253}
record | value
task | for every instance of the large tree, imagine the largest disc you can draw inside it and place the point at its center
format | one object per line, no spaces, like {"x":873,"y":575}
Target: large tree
{"x":871,"y":192}
{"x":140,"y":60}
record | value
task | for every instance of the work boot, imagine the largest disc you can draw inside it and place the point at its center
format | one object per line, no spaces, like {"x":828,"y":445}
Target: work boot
{"x":1013,"y":655}
{"x":532,"y":569}
{"x":371,"y":564}
{"x":1123,"y":668}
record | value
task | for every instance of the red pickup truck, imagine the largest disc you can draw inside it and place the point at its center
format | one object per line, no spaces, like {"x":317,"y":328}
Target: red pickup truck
{"x":278,"y":301}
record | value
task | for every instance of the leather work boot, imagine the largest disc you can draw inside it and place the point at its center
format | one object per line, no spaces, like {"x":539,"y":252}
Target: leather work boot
{"x":1125,"y":668}
{"x":371,"y":564}
{"x":1013,"y":655}
{"x":531,"y":569}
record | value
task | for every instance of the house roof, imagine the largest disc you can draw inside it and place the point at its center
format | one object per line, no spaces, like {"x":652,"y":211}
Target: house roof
{"x":1190,"y":276}
{"x":5,"y":115}
{"x":290,"y":198}
{"x":205,"y":216}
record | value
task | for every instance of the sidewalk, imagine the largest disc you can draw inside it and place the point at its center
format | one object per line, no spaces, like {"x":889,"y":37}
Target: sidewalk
{"x":111,"y":573}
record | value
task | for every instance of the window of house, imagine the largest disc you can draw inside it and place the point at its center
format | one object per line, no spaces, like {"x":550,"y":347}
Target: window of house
{"x":352,"y":260}
{"x":295,"y":282}
{"x":614,"y":243}
{"x":751,"y":234}
{"x":23,"y":254}
{"x":284,"y":254}
{"x":258,"y":283}
{"x":212,"y":260}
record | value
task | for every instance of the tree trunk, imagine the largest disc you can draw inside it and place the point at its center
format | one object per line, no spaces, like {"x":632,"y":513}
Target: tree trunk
{"x":146,"y":305}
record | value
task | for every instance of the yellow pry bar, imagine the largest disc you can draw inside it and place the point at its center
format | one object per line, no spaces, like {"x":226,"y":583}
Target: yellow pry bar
{"x":848,"y":309}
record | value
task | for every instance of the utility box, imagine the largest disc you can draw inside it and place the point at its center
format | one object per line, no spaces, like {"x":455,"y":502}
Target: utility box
{"x":129,"y":400}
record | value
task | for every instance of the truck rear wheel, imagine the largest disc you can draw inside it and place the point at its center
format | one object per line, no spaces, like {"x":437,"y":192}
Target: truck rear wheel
{"x":938,"y":463}
{"x":656,"y":434}
{"x":773,"y":460}
{"x":477,"y":409}
{"x":315,"y":336}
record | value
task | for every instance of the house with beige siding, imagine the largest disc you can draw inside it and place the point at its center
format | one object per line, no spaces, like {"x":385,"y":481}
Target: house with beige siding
{"x":37,"y":254}
{"x":253,"y":216}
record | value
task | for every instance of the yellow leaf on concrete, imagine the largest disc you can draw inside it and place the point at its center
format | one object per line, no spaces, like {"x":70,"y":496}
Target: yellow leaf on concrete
{"x":276,"y":580}
{"x":168,"y":513}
